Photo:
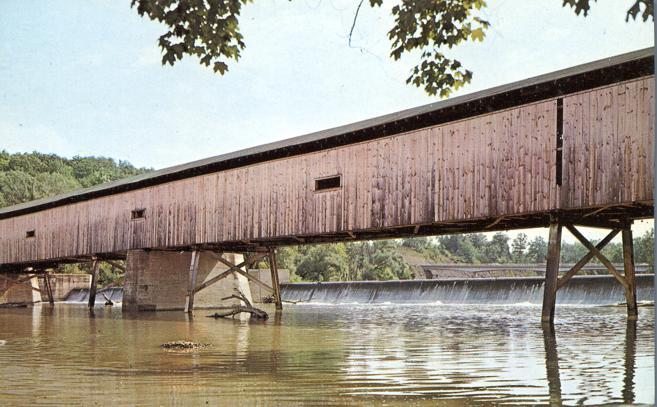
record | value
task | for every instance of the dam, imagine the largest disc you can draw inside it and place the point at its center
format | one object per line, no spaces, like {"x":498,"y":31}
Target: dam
{"x":582,"y":290}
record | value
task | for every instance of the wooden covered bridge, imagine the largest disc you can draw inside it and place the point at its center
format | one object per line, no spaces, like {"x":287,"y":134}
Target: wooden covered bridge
{"x":574,"y":147}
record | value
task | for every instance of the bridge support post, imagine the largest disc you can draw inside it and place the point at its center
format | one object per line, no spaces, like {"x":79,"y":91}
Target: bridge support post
{"x":551,"y":274}
{"x":94,"y":284}
{"x":273,"y":266}
{"x":46,"y":280}
{"x":628,"y":279}
{"x":191,"y":288}
{"x":628,"y":260}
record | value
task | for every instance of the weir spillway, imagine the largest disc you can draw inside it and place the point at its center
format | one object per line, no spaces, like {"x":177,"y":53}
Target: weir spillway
{"x":584,"y":290}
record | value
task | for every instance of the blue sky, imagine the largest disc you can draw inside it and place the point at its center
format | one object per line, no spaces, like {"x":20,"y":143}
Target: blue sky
{"x":84,"y":77}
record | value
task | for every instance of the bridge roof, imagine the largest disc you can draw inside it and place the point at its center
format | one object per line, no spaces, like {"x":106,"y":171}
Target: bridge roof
{"x":578,"y":78}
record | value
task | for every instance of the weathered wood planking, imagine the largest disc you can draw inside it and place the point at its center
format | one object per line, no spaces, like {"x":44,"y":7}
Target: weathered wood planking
{"x":493,"y":165}
{"x":608,"y":145}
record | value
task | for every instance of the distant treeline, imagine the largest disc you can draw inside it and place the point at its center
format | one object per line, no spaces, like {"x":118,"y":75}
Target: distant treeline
{"x":384,"y":260}
{"x":28,"y":176}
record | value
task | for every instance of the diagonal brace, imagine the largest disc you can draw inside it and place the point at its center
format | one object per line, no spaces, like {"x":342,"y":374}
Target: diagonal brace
{"x":599,"y":255}
{"x":238,"y":270}
{"x":14,"y":282}
{"x":231,"y":269}
{"x":584,"y":260}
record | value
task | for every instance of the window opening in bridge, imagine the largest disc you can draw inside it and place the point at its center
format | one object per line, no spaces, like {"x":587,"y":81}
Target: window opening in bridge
{"x":327,"y":183}
{"x":138,"y":214}
{"x":30,"y":233}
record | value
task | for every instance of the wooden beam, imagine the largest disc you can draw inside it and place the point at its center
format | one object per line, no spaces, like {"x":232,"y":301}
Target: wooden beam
{"x":115,"y":265}
{"x":15,"y":282}
{"x":231,"y":269}
{"x":597,"y":211}
{"x":551,"y":274}
{"x":628,"y":263}
{"x":600,"y":224}
{"x":598,"y":254}
{"x":193,"y":270}
{"x":237,"y":269}
{"x":46,"y":279}
{"x":222,"y":275}
{"x":94,"y":283}
{"x":254,"y":279}
{"x":351,"y":234}
{"x":584,"y":260}
{"x":495,"y":222}
{"x":273,"y":267}
{"x":26,"y":278}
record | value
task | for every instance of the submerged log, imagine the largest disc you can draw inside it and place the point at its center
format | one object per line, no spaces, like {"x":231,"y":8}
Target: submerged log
{"x":238,"y":309}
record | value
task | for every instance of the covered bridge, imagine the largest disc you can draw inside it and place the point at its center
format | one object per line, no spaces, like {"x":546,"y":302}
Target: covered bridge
{"x":566,"y":148}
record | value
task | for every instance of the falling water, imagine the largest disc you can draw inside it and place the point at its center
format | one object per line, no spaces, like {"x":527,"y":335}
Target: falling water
{"x":114,"y":294}
{"x":589,"y":290}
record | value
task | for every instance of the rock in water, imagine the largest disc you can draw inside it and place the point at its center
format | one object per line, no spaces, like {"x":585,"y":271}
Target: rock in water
{"x":183,"y":345}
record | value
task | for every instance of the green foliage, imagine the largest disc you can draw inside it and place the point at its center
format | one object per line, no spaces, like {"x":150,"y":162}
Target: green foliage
{"x":584,"y":6}
{"x":429,"y":26}
{"x":209,"y":30}
{"x":29,"y":176}
{"x":518,"y":248}
{"x":537,"y":250}
{"x":107,"y":274}
{"x":377,"y":260}
{"x":644,"y":247}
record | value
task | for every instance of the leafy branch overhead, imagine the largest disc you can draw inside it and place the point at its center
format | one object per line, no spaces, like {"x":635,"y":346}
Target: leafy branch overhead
{"x":209,"y":30}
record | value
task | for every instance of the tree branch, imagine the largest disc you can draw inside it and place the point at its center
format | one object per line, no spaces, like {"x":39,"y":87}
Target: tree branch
{"x":353,"y":24}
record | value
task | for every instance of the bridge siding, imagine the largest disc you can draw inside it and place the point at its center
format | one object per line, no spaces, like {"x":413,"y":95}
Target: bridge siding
{"x":608,"y":145}
{"x":492,"y":165}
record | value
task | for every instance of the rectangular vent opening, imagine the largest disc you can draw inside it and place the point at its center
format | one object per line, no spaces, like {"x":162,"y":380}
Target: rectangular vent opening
{"x":30,"y":233}
{"x":138,"y":213}
{"x":323,"y":184}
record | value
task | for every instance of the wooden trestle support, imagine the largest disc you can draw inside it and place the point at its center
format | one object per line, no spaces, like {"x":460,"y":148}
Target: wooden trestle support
{"x":251,"y":258}
{"x":553,"y":282}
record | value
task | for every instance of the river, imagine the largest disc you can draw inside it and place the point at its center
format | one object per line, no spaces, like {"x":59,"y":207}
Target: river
{"x":327,"y":354}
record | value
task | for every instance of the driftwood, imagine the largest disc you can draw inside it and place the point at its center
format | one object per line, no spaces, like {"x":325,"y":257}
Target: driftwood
{"x":14,"y":305}
{"x":238,"y":309}
{"x":269,"y":299}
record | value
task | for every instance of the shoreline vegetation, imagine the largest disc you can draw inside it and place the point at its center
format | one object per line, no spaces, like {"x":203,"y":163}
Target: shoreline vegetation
{"x":28,"y":176}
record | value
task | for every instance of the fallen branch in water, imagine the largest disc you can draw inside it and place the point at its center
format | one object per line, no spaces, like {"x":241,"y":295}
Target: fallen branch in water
{"x":238,"y":309}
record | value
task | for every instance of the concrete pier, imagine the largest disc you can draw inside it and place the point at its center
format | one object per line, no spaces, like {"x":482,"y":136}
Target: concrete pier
{"x":158,"y":280}
{"x":19,"y":293}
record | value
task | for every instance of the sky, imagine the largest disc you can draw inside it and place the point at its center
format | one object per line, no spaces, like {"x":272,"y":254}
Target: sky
{"x":85,"y":78}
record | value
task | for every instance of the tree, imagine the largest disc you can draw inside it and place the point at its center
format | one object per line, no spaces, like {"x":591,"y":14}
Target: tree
{"x":324,"y":263}
{"x":376,"y":260}
{"x":644,"y":249}
{"x":537,"y":250}
{"x":518,"y":248}
{"x":460,"y":246}
{"x":497,"y":250}
{"x":209,"y":30}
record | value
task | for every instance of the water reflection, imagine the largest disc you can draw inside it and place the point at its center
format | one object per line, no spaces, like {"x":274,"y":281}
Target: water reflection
{"x":552,"y":363}
{"x":447,"y":355}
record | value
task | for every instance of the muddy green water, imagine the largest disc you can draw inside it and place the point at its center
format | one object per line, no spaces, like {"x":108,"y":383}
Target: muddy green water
{"x":328,"y":355}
